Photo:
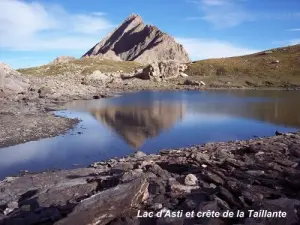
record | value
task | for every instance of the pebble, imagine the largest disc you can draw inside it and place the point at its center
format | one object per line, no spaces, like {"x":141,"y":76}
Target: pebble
{"x":156,"y":206}
{"x":191,"y":180}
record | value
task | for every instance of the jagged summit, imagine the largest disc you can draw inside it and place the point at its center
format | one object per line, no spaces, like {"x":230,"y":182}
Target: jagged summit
{"x":135,"y":41}
{"x":134,"y":16}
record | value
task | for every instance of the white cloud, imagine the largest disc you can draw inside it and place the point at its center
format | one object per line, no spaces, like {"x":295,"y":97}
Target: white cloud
{"x":204,"y":49}
{"x":294,"y":29}
{"x":99,"y":13}
{"x":222,"y":13}
{"x":194,"y":18}
{"x":214,"y":2}
{"x":34,"y":26}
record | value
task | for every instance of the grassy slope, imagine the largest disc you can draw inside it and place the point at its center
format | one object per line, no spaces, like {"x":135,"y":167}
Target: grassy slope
{"x":255,"y":70}
{"x":81,"y":66}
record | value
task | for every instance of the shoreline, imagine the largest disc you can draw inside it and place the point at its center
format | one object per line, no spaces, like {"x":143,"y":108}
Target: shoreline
{"x":256,"y":174}
{"x":19,"y":115}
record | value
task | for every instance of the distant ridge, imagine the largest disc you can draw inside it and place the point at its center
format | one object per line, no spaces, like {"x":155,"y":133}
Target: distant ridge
{"x":135,"y":41}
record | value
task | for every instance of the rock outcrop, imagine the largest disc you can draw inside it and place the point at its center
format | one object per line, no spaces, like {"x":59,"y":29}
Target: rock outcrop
{"x":11,"y":81}
{"x":63,"y":59}
{"x":135,"y":41}
{"x":99,"y":78}
{"x":162,"y":70}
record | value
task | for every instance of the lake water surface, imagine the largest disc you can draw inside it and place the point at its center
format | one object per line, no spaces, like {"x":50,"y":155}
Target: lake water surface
{"x":150,"y":121}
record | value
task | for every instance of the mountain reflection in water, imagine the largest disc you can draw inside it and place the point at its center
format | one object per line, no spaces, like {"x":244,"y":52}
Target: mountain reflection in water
{"x":135,"y":124}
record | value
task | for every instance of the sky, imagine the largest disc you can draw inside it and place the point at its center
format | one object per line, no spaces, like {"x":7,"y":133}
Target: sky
{"x":33,"y":33}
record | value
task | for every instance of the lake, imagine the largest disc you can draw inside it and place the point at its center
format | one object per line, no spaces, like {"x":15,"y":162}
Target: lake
{"x":150,"y":121}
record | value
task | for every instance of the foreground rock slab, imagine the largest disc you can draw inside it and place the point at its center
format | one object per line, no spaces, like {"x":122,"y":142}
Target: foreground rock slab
{"x":107,"y":205}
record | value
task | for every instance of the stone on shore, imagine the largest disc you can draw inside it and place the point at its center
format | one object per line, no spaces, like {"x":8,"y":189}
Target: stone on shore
{"x":190,"y":180}
{"x":193,"y":82}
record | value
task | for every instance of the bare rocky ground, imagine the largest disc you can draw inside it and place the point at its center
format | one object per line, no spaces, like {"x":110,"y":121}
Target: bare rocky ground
{"x":237,"y":175}
{"x":23,"y":121}
{"x":16,"y":129}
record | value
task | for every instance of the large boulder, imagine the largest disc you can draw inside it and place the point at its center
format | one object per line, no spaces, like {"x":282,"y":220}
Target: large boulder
{"x":105,"y":206}
{"x":100,"y":78}
{"x":97,"y":76}
{"x":12,"y":81}
{"x":162,"y":70}
{"x":135,"y":41}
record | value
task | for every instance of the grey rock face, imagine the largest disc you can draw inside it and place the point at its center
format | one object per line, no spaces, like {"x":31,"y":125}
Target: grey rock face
{"x":135,"y":41}
{"x":162,"y":70}
{"x":11,"y":81}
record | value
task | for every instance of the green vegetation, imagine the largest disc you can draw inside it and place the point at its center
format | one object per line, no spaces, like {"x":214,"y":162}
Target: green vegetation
{"x":82,"y":66}
{"x":272,"y":68}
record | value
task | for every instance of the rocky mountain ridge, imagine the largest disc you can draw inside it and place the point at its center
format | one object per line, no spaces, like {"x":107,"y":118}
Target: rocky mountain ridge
{"x":135,"y":41}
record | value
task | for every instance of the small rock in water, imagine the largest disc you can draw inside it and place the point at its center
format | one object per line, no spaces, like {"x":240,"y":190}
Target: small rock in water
{"x":277,"y":133}
{"x":190,"y":180}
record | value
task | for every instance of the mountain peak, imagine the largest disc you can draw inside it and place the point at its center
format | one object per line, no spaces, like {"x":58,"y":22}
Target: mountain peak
{"x":135,"y":41}
{"x":133,"y":16}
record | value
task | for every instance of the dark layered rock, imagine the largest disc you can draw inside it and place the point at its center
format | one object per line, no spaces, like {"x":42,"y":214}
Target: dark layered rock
{"x":105,"y":206}
{"x":261,"y":174}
